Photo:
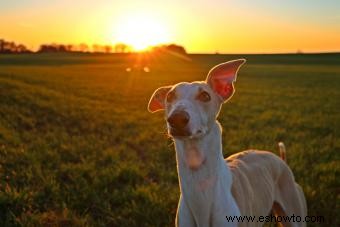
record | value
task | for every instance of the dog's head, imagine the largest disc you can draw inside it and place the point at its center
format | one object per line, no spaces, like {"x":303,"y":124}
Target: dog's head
{"x":192,"y":108}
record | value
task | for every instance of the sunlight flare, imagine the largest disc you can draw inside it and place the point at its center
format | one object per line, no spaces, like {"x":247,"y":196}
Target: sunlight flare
{"x":141,"y":31}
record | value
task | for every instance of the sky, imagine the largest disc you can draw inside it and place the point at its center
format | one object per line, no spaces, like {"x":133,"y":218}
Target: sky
{"x":201,"y":26}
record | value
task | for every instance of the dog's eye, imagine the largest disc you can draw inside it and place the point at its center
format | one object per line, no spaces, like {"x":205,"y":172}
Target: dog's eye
{"x":171,"y":96}
{"x":203,"y":96}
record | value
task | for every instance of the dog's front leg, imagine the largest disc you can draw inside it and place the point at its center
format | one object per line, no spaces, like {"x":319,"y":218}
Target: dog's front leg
{"x":184,"y":217}
{"x":225,"y":213}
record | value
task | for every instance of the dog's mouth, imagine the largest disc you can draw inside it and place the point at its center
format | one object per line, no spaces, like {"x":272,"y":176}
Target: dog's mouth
{"x":179,"y":133}
{"x":184,"y":134}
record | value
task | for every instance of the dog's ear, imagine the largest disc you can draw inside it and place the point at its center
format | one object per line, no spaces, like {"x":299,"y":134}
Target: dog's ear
{"x":221,"y":78}
{"x":157,"y":100}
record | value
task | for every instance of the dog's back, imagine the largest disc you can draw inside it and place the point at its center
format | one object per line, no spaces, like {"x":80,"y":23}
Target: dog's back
{"x":260,"y":183}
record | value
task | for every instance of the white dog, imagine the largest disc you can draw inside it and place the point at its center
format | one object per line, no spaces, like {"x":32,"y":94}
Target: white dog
{"x":252,"y":183}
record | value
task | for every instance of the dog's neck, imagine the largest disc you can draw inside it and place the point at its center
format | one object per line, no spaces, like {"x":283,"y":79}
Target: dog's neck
{"x":202,"y":187}
{"x":201,"y":160}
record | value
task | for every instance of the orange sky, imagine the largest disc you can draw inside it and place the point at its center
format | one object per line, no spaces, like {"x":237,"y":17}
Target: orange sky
{"x":226,"y":26}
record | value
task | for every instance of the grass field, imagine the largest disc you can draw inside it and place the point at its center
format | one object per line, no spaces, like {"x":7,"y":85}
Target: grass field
{"x":78,"y":147}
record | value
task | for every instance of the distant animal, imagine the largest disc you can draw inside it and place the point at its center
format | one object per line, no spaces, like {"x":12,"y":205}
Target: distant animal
{"x":213,"y":189}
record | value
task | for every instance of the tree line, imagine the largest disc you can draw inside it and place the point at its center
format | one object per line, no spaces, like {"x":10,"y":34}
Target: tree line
{"x":12,"y":47}
{"x":84,"y":48}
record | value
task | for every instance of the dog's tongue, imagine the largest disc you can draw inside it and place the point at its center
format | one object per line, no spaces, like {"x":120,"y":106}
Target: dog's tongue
{"x":194,"y":158}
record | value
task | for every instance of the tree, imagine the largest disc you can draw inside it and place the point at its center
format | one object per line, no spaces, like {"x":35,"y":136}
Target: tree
{"x":83,"y":47}
{"x":176,"y":48}
{"x":48,"y":48}
{"x":108,"y":48}
{"x":171,"y":48}
{"x":2,"y":44}
{"x":21,"y":48}
{"x":69,"y":48}
{"x":122,"y":48}
{"x":12,"y":47}
{"x":95,"y":48}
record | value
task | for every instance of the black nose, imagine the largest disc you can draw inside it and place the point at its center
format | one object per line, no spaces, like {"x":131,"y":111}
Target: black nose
{"x":179,"y":119}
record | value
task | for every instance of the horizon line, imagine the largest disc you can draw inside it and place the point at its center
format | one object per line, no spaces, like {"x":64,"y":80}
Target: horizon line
{"x":297,"y":51}
{"x":188,"y":53}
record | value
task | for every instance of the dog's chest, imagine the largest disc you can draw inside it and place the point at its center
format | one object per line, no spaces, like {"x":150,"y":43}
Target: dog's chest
{"x":201,"y":193}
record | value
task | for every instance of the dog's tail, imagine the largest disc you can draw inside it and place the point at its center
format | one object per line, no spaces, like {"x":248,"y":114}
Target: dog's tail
{"x":282,"y":149}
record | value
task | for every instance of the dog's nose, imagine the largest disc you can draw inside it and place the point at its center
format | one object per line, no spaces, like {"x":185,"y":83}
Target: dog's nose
{"x":178,"y":119}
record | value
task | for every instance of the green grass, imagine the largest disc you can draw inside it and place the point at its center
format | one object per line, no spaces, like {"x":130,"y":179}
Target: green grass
{"x":78,"y":147}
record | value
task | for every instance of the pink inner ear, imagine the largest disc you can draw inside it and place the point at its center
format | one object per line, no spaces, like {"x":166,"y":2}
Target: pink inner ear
{"x":157,"y":100}
{"x":155,"y":105}
{"x":222,"y":76}
{"x":225,"y":90}
{"x":225,"y":74}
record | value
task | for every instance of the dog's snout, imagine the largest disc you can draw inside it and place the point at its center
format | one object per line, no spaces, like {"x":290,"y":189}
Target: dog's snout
{"x":179,"y":119}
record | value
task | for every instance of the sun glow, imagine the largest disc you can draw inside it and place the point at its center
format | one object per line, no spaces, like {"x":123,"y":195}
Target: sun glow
{"x":141,"y":31}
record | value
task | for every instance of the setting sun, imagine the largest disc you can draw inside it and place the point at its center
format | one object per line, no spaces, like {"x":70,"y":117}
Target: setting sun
{"x":141,"y":31}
